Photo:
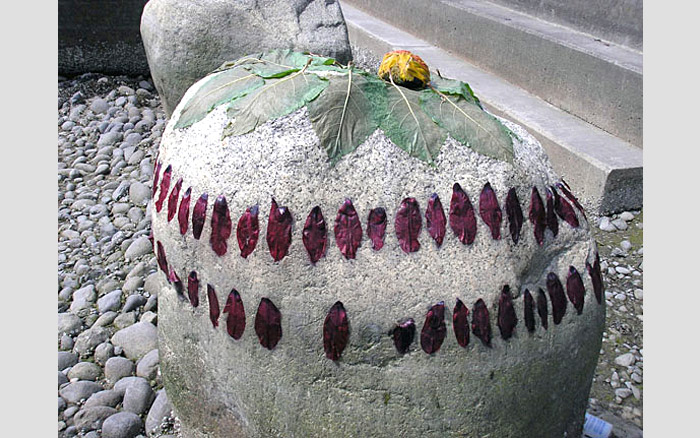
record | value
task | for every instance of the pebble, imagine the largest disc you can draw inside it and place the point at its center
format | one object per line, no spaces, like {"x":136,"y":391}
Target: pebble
{"x":99,"y":106}
{"x":117,"y":368}
{"x":110,"y":302}
{"x":606,"y":224}
{"x":160,"y":410}
{"x":66,"y":359}
{"x":91,"y":418}
{"x":83,"y":298}
{"x":139,"y":194}
{"x":86,"y":342}
{"x":68,"y":323}
{"x":137,"y":339}
{"x":80,"y":390}
{"x":107,"y":397}
{"x":85,"y":371}
{"x":105,"y":319}
{"x":133,"y":302}
{"x":103,"y":352}
{"x":623,"y":393}
{"x":124,"y":320}
{"x":626,"y":245}
{"x":626,"y":216}
{"x":147,"y":367}
{"x":625,"y":360}
{"x":138,"y":397}
{"x":122,"y":425}
{"x":138,"y":248}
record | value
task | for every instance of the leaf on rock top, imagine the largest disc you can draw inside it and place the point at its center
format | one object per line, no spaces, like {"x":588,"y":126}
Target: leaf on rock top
{"x":409,"y":127}
{"x":529,"y":311}
{"x":490,"y":211}
{"x":542,"y":307}
{"x":481,"y":326}
{"x":235,"y":319}
{"x":462,"y":218}
{"x":280,"y":63}
{"x":213,"y":306}
{"x":221,"y":87}
{"x":454,"y":87}
{"x":515,"y":215}
{"x":248,"y":231}
{"x":347,"y":230}
{"x":376,"y":227}
{"x":277,"y":98}
{"x":507,"y":320}
{"x":314,"y":236}
{"x":403,"y":335}
{"x":469,"y":124}
{"x":460,"y":323}
{"x":434,"y":329}
{"x":340,"y":118}
{"x":435,"y":220}
{"x":557,"y":297}
{"x":336,"y":331}
{"x":268,"y":324}
{"x":408,"y":224}
{"x":575,"y":289}
{"x":279,"y":231}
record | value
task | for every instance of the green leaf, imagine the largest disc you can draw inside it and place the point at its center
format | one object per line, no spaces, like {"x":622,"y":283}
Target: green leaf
{"x":277,"y":98}
{"x":220,"y":88}
{"x":469,"y":124}
{"x":455,"y":87}
{"x":408,"y":126}
{"x":340,"y":115}
{"x":280,"y":63}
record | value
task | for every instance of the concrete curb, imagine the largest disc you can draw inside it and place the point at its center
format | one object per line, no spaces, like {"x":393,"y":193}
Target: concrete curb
{"x":604,"y":171}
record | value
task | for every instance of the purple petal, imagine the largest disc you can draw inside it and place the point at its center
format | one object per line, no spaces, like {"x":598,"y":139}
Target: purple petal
{"x":183,"y":212}
{"x":315,"y":235}
{"x":557,"y":297}
{"x":177,"y":283}
{"x":164,"y":187}
{"x":336,"y":331}
{"x":376,"y":227}
{"x":460,"y":323}
{"x":515,"y":215}
{"x":213,"y":306}
{"x":248,"y":231}
{"x":403,"y":335}
{"x":235,"y":319}
{"x":435,"y":220}
{"x":507,"y":320}
{"x":596,"y":278}
{"x":565,"y":210}
{"x":193,"y":288}
{"x":279,"y":231}
{"x":199,"y":215}
{"x":552,"y":221}
{"x":408,"y":225}
{"x":462,"y":216}
{"x":268,"y":324}
{"x":566,"y":190}
{"x":220,"y":226}
{"x":537,"y":215}
{"x":575,"y":290}
{"x":162,"y":260}
{"x":347,"y":230}
{"x":173,"y":198}
{"x":434,"y":329}
{"x":529,"y":311}
{"x":490,"y":211}
{"x":542,"y":307}
{"x":481,"y":326}
{"x":156,"y":176}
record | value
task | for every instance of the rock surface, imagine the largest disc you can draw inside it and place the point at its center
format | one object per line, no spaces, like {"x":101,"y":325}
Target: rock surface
{"x":185,"y":40}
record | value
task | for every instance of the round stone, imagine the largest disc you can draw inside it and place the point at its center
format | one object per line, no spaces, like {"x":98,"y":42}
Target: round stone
{"x":118,"y":367}
{"x":122,"y":425}
{"x":85,"y":371}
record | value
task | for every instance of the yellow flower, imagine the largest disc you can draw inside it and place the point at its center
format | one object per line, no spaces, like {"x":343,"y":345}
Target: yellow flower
{"x":404,"y":68}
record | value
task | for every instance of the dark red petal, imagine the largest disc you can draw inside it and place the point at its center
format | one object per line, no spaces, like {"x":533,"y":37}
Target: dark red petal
{"x":567,"y":192}
{"x":434,"y":329}
{"x":347,"y":229}
{"x":173,"y":198}
{"x":279,"y":231}
{"x":268,"y":324}
{"x":336,"y":331}
{"x":515,"y":215}
{"x":156,"y":175}
{"x":177,"y":283}
{"x":565,"y":210}
{"x":460,"y":323}
{"x":529,"y":311}
{"x":542,"y":307}
{"x":552,"y":220}
{"x":248,"y":231}
{"x":537,"y":215}
{"x":183,"y":213}
{"x":193,"y":288}
{"x":213,"y":305}
{"x":164,"y":187}
{"x":162,"y":260}
{"x":507,"y":320}
{"x":481,"y":326}
{"x":220,"y":226}
{"x":403,"y":335}
{"x":490,"y":211}
{"x":235,"y":320}
{"x":199,"y":214}
{"x":462,"y":216}
{"x":575,"y":290}
{"x":557,"y":297}
{"x":408,"y":224}
{"x":596,"y":278}
{"x":376,"y":227}
{"x":315,"y":235}
{"x":435,"y":220}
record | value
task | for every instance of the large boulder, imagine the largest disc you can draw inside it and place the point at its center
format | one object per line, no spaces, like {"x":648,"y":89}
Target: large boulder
{"x":185,"y":40}
{"x":493,"y":331}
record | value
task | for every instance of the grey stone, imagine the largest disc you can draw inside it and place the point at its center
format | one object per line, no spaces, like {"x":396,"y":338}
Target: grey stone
{"x":66,"y":359}
{"x":606,"y":224}
{"x":139,"y":194}
{"x":86,"y":342}
{"x":132,"y":284}
{"x":122,"y":425}
{"x":222,"y":30}
{"x":138,"y":248}
{"x":147,"y":367}
{"x":620,"y":224}
{"x":625,"y":360}
{"x":109,"y":138}
{"x":80,"y":390}
{"x":149,"y":316}
{"x":66,"y":342}
{"x":69,"y":323}
{"x":62,"y":379}
{"x":623,"y":393}
{"x":99,"y":106}
{"x":103,"y":352}
{"x":117,"y":368}
{"x":626,"y":216}
{"x":70,"y":412}
{"x":133,"y":302}
{"x":152,"y":283}
{"x":61,"y":404}
{"x":151,"y":305}
{"x":137,"y":339}
{"x":126,"y":382}
{"x":110,"y":302}
{"x":85,"y":371}
{"x":274,"y":158}
{"x":92,"y":418}
{"x":138,"y":397}
{"x":107,"y":397}
{"x":83,"y":298}
{"x":105,"y":319}
{"x":161,"y":409}
{"x":124,"y":320}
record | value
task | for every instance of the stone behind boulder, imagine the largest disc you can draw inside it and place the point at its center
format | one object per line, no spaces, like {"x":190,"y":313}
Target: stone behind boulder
{"x":186,"y":40}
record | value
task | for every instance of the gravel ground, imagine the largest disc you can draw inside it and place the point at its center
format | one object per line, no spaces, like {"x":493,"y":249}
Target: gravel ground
{"x":109,"y":381}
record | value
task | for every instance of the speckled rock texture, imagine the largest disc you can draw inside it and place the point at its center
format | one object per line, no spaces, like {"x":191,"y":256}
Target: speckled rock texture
{"x":185,"y":40}
{"x":531,"y":384}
